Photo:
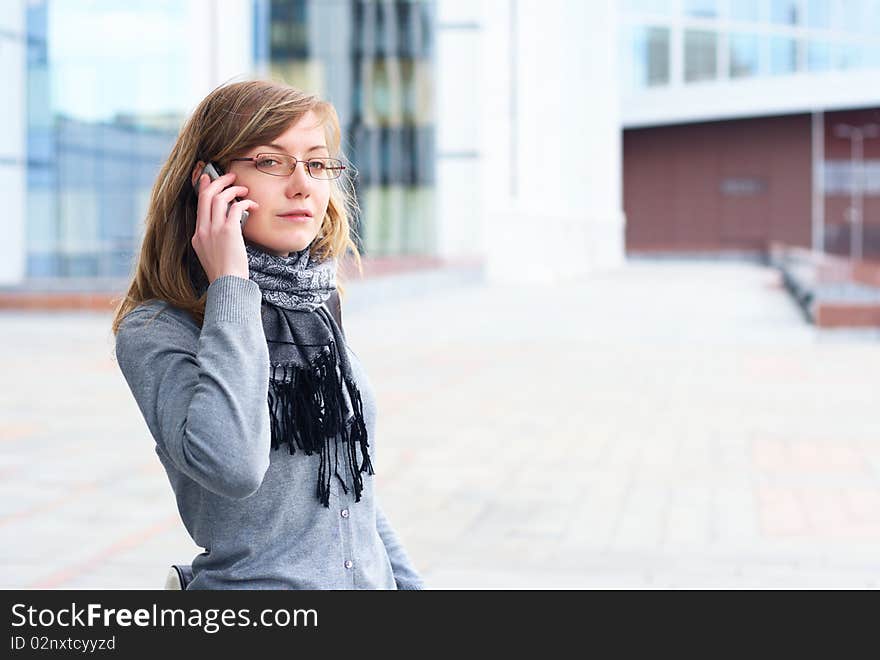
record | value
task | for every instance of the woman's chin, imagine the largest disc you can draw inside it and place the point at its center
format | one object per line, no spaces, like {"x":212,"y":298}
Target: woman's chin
{"x":282,"y":247}
{"x":301,"y":244}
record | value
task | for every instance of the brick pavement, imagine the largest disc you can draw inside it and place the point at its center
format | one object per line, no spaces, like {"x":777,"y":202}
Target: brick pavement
{"x":666,"y":424}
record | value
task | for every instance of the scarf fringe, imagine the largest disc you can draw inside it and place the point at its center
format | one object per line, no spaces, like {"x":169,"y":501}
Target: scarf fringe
{"x":307,"y":411}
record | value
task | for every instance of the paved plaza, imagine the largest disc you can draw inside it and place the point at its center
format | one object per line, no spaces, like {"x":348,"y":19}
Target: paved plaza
{"x":665,"y":424}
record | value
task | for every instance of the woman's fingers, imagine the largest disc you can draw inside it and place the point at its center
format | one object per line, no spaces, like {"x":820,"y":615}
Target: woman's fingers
{"x":207,"y":192}
{"x":218,"y":245}
{"x":220,"y":205}
{"x":204,"y":202}
{"x":235,"y":211}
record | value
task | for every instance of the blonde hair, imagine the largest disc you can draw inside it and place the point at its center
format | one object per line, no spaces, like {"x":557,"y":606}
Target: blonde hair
{"x":232,"y":119}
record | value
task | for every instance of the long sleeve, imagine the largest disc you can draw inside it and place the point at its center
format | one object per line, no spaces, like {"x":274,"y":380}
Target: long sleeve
{"x":204,"y":394}
{"x":405,"y":574}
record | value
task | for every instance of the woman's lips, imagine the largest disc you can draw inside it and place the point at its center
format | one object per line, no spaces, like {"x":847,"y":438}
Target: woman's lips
{"x":297,"y":217}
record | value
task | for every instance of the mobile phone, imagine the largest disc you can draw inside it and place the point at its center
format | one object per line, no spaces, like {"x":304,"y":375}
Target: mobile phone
{"x":214,"y":171}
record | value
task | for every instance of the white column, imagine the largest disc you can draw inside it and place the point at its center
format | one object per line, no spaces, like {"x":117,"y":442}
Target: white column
{"x":13,"y":143}
{"x":551,"y":185}
{"x":818,"y":196}
{"x":459,"y":86}
{"x":221,"y":44}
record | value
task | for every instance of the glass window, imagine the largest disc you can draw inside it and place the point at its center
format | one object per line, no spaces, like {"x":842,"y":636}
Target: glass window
{"x":850,"y":15}
{"x":818,"y":56}
{"x":133,"y":69}
{"x":870,"y":56}
{"x":102,"y":114}
{"x":701,"y":8}
{"x":373,"y":60}
{"x":700,"y":59}
{"x":649,"y":6}
{"x":649,"y":50}
{"x":783,"y":55}
{"x":842,"y":177}
{"x":870,"y":23}
{"x":785,"y":12}
{"x":745,"y":55}
{"x":745,"y":10}
{"x":846,"y":56}
{"x":819,"y":14}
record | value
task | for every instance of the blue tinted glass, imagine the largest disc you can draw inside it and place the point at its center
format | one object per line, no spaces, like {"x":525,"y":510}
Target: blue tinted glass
{"x":870,"y":23}
{"x":870,"y":56}
{"x":818,"y":56}
{"x":846,"y":56}
{"x":850,"y":16}
{"x":783,"y":55}
{"x":745,"y":10}
{"x":648,"y":55}
{"x":106,"y":91}
{"x":701,"y":8}
{"x":649,"y":6}
{"x":819,"y":14}
{"x":134,"y":68}
{"x":786,"y":12}
{"x":744,"y":55}
{"x":700,"y":59}
{"x":381,"y":81}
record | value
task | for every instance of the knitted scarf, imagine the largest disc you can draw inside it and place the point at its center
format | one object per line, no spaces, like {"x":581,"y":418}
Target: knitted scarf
{"x":314,"y":402}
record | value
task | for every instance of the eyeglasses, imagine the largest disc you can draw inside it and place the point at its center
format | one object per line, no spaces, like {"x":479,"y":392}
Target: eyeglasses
{"x":285,"y":165}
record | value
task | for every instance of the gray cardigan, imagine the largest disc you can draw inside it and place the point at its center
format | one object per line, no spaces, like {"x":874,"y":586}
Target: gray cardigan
{"x":204,"y":396}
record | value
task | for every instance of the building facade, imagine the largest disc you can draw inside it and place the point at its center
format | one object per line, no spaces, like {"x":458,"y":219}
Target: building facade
{"x":447,"y":106}
{"x":535,"y":156}
{"x":747,"y":122}
{"x":671,"y":125}
{"x":99,"y":91}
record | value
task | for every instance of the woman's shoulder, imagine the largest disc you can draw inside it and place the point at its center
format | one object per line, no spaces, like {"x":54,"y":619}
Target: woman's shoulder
{"x":151,"y":329}
{"x":155,"y":311}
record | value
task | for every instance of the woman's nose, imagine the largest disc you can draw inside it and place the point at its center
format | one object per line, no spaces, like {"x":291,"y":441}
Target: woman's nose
{"x":299,"y":180}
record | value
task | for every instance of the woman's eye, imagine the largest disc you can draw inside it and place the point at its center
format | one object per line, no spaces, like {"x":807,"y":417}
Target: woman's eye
{"x":268,"y":162}
{"x":316,"y":164}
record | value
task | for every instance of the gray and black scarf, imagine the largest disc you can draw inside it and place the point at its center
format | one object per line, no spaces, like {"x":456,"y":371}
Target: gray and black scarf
{"x":314,"y":402}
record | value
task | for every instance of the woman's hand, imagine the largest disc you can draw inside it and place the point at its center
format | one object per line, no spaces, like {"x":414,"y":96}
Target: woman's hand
{"x":218,"y":241}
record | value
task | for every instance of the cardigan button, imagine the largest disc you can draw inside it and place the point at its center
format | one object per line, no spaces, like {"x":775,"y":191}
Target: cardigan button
{"x":344,"y":513}
{"x":349,"y":563}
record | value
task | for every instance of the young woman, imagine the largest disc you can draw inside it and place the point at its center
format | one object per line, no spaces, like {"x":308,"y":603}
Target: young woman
{"x":263,"y":418}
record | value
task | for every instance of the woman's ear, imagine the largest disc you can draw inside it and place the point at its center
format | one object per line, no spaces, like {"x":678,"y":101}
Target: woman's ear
{"x":196,"y":173}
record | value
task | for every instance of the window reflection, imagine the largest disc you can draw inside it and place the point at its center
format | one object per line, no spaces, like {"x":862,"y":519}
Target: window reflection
{"x":762,"y":37}
{"x":372,"y":60}
{"x":870,"y":55}
{"x":101,"y":116}
{"x":818,"y":56}
{"x":701,"y":8}
{"x":700,"y":61}
{"x":745,"y":10}
{"x":785,"y":12}
{"x":870,"y":23}
{"x":391,"y":127}
{"x":783,"y":55}
{"x":649,"y":6}
{"x":744,"y":55}
{"x":649,"y":50}
{"x":846,"y":56}
{"x":819,"y":14}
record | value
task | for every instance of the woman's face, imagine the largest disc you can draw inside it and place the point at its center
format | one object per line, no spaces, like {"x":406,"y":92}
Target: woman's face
{"x":266,"y":227}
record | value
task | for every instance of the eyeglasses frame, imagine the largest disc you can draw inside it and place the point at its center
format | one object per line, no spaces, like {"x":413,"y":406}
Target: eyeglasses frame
{"x":296,"y":161}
